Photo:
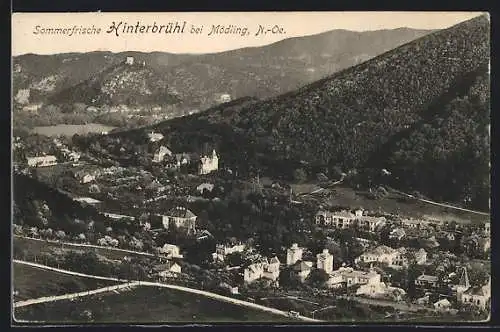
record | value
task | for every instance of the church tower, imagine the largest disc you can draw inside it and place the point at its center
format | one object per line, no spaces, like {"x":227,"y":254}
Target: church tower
{"x":463,"y":284}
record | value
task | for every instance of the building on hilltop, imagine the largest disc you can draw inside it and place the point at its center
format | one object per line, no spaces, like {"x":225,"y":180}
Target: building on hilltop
{"x":293,"y":254}
{"x":325,"y":261}
{"x":209,"y":164}
{"x":129,"y":60}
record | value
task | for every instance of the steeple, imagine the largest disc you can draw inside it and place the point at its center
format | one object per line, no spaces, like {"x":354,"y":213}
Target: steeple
{"x":464,"y":279}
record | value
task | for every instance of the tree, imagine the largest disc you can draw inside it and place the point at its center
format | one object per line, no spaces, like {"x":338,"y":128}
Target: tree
{"x":317,"y":278}
{"x":300,"y":175}
{"x":288,"y":279}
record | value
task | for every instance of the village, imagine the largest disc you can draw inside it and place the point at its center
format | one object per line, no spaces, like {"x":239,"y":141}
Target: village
{"x":365,"y":256}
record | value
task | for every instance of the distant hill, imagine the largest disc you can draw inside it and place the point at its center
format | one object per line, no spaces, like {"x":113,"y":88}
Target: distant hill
{"x":121,"y":84}
{"x":197,"y":79}
{"x":420,"y":110}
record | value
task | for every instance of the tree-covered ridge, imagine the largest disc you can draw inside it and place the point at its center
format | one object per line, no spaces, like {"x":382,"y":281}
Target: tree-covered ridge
{"x":449,"y":156}
{"x":368,"y":117}
{"x":121,"y":84}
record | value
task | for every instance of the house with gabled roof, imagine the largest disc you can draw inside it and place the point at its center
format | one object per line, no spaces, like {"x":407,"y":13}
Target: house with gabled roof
{"x":478,"y":296}
{"x":160,"y":154}
{"x":167,"y":270}
{"x":181,"y":218}
{"x":302,"y":269}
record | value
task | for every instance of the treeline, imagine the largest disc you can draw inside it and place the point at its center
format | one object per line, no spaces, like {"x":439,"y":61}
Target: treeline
{"x":32,"y":197}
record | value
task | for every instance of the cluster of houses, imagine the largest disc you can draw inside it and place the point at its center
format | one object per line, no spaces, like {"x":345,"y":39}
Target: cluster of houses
{"x":208,"y":162}
{"x":46,"y":160}
{"x":394,"y":258}
{"x":478,"y":296}
{"x":366,"y":280}
{"x":346,"y":219}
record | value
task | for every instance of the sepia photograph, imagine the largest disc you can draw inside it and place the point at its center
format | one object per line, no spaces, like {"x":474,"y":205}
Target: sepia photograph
{"x":250,"y":167}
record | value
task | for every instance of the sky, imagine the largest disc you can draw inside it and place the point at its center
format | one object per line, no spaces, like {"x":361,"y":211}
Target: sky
{"x":28,"y":29}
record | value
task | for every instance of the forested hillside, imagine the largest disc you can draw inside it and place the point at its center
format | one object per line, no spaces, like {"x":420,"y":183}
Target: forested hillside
{"x":260,"y":71}
{"x":122,"y":84}
{"x":418,"y":108}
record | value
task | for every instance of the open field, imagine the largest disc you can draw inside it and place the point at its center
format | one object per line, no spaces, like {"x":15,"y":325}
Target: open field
{"x":144,"y":305}
{"x":70,"y":130}
{"x":396,"y":204}
{"x":31,"y":282}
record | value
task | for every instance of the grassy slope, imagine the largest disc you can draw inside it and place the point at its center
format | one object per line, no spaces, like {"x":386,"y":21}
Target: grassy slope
{"x":146,"y":305}
{"x":32,"y":282}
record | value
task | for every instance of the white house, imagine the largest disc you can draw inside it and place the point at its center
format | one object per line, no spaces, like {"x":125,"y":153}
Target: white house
{"x":222,"y":250}
{"x":376,"y":289}
{"x":380,"y":254}
{"x":224,"y":98}
{"x":272,"y":269}
{"x":479,"y":297}
{"x":34,"y":107}
{"x":442,"y":305}
{"x":168,"y":270}
{"x":209,"y":164}
{"x":397,"y":233}
{"x":87,"y":178}
{"x":487,"y":228}
{"x":253,"y":272}
{"x":338,"y":219}
{"x":371,"y":223}
{"x":171,"y":251}
{"x":129,"y":60}
{"x":205,"y":187}
{"x":325,"y":261}
{"x":154,"y":137}
{"x":42,"y":161}
{"x":293,"y":254}
{"x":181,"y":218}
{"x":351,"y":277}
{"x":161,"y":153}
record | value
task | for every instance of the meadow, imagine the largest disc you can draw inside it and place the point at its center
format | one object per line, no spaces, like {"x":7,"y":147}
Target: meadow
{"x":32,"y":282}
{"x":70,"y":130}
{"x":144,"y":305}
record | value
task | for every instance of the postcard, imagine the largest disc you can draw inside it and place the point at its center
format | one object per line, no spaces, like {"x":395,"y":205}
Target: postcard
{"x":251,"y":167}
